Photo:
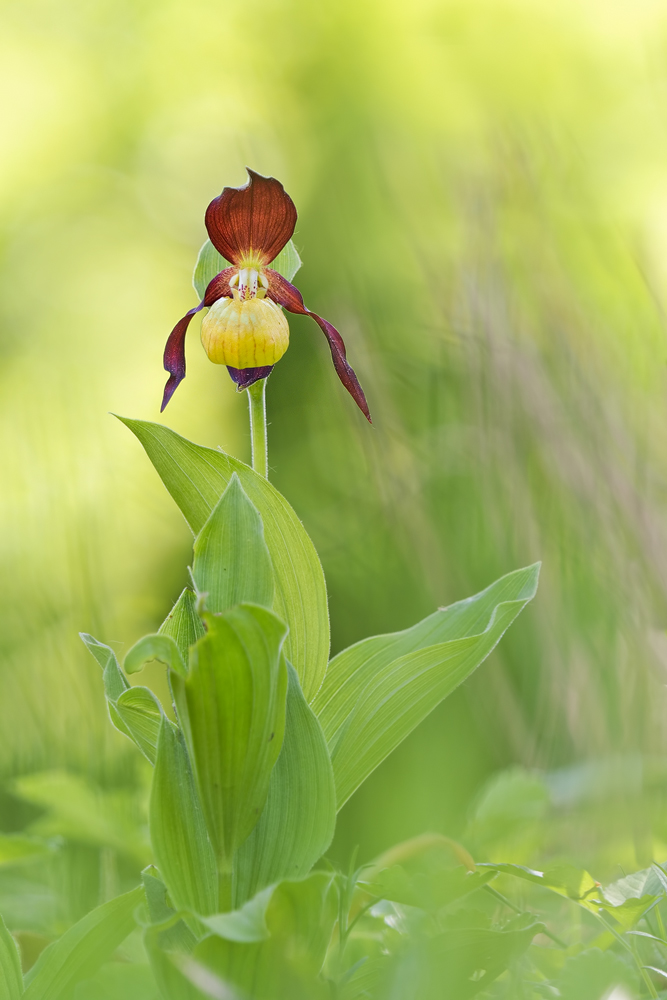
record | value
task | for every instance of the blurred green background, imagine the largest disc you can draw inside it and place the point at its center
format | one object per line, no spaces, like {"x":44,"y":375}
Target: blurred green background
{"x":482,"y":196}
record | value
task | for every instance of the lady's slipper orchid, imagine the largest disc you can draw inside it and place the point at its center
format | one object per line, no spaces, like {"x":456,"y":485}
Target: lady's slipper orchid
{"x":245,"y":328}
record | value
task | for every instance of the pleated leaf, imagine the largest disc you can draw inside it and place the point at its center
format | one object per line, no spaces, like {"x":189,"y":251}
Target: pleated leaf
{"x":183,"y":623}
{"x":352,"y":670}
{"x":403,"y":691}
{"x":231,"y":561}
{"x":246,"y":924}
{"x":11,"y":977}
{"x":300,"y":917}
{"x":160,"y":941}
{"x":299,"y":818}
{"x":141,"y":713}
{"x":154,"y":647}
{"x":178,"y":832}
{"x":82,"y":949}
{"x":197,"y":477}
{"x":235,"y":691}
{"x":115,"y":681}
{"x":134,"y":711}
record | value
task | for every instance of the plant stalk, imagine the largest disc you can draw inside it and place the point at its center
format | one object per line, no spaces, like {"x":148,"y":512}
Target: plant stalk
{"x":258,"y":435}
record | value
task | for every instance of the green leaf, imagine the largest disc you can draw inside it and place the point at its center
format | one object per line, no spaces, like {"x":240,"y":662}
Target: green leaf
{"x":82,"y":949}
{"x":115,"y":681}
{"x":468,"y":959}
{"x":648,"y":882}
{"x":172,"y":985}
{"x":565,"y":880}
{"x":429,"y":891}
{"x":236,"y":691}
{"x":404,"y":690}
{"x":197,"y":477}
{"x":183,"y":623}
{"x":299,"y":818}
{"x":300,"y":917}
{"x":141,"y":713}
{"x":199,"y":980}
{"x":160,"y":942}
{"x":11,"y":977}
{"x":352,"y":670}
{"x":246,"y":924}
{"x":178,"y":833}
{"x":210,"y":262}
{"x":231,"y":561}
{"x":628,"y":899}
{"x":155,"y":647}
{"x":135,"y":715}
{"x":124,"y":980}
{"x":185,"y":626}
{"x":594,"y":973}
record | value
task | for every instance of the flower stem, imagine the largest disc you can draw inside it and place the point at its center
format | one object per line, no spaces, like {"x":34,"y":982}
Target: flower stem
{"x":258,"y":436}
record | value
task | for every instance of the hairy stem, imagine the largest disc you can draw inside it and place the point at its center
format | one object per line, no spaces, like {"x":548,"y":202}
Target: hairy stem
{"x":258,"y":436}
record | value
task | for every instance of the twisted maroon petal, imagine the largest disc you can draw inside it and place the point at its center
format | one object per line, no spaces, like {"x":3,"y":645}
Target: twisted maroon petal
{"x":256,"y":220}
{"x":245,"y":377}
{"x":174,"y":352}
{"x":286,"y":295}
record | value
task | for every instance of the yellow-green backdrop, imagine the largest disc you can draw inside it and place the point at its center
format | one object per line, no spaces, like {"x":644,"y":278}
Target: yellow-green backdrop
{"x":482,"y":195}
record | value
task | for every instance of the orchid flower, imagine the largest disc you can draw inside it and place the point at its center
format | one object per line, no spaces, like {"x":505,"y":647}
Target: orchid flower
{"x":245,"y":328}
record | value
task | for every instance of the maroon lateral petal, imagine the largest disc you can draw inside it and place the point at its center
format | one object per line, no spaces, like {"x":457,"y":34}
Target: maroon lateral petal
{"x":257,"y":218}
{"x":174,"y":352}
{"x":286,"y":295}
{"x":245,"y":377}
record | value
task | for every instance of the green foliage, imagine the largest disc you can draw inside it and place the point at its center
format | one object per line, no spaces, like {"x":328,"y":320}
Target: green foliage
{"x":82,"y":949}
{"x":402,"y":691}
{"x":594,"y":973}
{"x":135,"y":712}
{"x":462,"y":962}
{"x":300,"y":918}
{"x":428,"y":891}
{"x":231,"y":561}
{"x":183,"y":624}
{"x":154,"y":647}
{"x":298,"y":820}
{"x":351,"y":671}
{"x":235,"y":693}
{"x":178,"y":832}
{"x":11,"y":977}
{"x":141,"y":714}
{"x":197,"y":477}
